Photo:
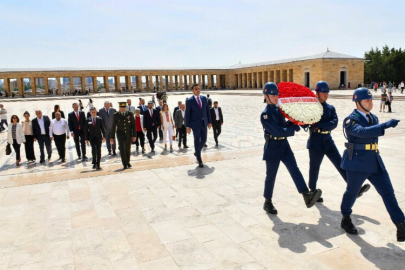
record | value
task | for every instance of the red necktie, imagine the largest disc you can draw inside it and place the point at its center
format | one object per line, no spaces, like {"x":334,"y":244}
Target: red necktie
{"x":77,"y":116}
{"x":199,"y":102}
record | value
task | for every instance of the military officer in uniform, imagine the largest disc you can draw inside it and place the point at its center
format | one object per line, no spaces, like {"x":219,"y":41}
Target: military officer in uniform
{"x":320,"y":142}
{"x":124,"y":126}
{"x":277,"y":148}
{"x":362,"y":161}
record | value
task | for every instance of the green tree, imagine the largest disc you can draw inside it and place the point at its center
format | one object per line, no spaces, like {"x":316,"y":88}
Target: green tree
{"x":387,"y":64}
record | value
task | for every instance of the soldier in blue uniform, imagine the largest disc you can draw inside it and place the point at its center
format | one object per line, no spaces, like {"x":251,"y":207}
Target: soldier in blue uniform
{"x":320,"y":142}
{"x":277,"y":148}
{"x":362,"y":161}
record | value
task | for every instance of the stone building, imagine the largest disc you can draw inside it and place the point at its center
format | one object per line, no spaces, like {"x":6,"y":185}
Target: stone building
{"x":335,"y":68}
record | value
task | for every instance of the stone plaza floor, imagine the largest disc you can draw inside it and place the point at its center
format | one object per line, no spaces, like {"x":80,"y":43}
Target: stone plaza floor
{"x":166,"y":213}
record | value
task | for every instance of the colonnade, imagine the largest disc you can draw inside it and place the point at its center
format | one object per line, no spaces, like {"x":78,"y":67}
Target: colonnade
{"x":65,"y":81}
{"x":257,"y":79}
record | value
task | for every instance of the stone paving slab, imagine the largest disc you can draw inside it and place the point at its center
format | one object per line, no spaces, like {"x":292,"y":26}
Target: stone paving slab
{"x":168,"y":214}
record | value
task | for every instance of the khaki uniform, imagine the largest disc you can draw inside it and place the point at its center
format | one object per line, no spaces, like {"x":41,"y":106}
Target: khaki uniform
{"x":123,"y":126}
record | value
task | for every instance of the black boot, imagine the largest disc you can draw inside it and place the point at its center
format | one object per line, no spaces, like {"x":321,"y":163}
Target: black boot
{"x":363,"y":189}
{"x":269,"y":207}
{"x":400,"y":232}
{"x":348,"y":226}
{"x":310,"y":197}
{"x":320,"y":198}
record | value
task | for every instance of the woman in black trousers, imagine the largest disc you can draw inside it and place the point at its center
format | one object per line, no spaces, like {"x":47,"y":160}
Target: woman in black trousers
{"x":29,"y":138}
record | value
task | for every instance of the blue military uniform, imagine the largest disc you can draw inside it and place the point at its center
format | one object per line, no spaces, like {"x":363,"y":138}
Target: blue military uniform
{"x":366,"y":163}
{"x":278,"y":149}
{"x":362,"y":161}
{"x":320,"y":143}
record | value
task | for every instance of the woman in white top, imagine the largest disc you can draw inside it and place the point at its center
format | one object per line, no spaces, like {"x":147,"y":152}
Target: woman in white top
{"x":15,"y":136}
{"x":167,"y":126}
{"x":90,"y":104}
{"x":29,"y":138}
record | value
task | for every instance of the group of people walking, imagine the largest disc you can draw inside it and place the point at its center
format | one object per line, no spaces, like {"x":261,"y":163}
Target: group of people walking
{"x":360,"y":161}
{"x":128,"y":125}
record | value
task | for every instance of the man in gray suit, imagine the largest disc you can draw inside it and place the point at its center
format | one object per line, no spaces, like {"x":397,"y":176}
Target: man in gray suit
{"x":107,"y":114}
{"x":179,"y":122}
{"x":129,"y":107}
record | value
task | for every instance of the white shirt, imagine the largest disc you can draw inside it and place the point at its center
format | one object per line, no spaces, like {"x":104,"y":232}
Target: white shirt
{"x":217,"y":113}
{"x":183,"y":113}
{"x":58,"y":127}
{"x":41,"y":125}
{"x":3,"y":113}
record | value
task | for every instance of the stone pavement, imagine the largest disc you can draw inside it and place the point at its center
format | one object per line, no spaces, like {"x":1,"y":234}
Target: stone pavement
{"x":166,"y":213}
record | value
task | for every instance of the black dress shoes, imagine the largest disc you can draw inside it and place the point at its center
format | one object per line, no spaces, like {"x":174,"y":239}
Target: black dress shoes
{"x":320,"y":200}
{"x":85,"y":158}
{"x":129,"y":165}
{"x":179,"y":145}
{"x":363,"y":189}
{"x":269,"y":207}
{"x":143,"y":150}
{"x":310,"y":197}
{"x":114,"y":153}
{"x":94,"y":166}
{"x":79,"y":158}
{"x":125,"y":167}
{"x":200,"y":165}
{"x":63,"y":160}
{"x":348,"y":226}
{"x":49,"y":156}
{"x":400,"y":232}
{"x":109,"y":153}
{"x":185,"y":146}
{"x":42,"y":161}
{"x":98,"y":168}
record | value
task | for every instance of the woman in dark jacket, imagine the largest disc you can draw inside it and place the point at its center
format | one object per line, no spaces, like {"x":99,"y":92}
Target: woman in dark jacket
{"x":57,"y":109}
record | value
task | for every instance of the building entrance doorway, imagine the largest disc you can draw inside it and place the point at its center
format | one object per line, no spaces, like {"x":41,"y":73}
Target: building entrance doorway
{"x":343,"y":79}
{"x":307,"y":78}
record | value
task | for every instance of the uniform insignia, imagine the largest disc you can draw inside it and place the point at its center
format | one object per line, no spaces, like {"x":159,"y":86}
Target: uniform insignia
{"x":347,"y":121}
{"x":265,"y":116}
{"x":353,"y":123}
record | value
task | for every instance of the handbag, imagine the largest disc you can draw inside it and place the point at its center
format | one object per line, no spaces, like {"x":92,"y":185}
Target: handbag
{"x":8,"y":149}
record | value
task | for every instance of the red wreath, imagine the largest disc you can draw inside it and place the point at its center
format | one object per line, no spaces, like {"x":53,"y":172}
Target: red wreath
{"x":290,"y":89}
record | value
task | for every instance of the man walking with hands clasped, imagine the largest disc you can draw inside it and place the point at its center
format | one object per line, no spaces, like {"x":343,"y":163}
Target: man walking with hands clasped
{"x":198,"y":117}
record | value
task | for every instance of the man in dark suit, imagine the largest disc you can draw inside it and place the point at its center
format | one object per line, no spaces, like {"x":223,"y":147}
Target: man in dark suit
{"x":198,"y":117}
{"x":107,"y":115}
{"x":124,"y":126}
{"x":40,"y":132}
{"x":142,"y":107}
{"x":151,"y":123}
{"x":179,"y":121}
{"x":217,"y":121}
{"x":95,"y":133}
{"x":174,"y":114}
{"x":159,"y":109}
{"x":77,"y":120}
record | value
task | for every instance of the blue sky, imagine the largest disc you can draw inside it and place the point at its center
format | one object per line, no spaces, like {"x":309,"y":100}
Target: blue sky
{"x":193,"y":33}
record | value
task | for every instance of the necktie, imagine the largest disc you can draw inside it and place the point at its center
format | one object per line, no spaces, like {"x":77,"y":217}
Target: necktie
{"x":77,"y":116}
{"x":94,"y":122}
{"x":151,"y":113}
{"x":370,"y":121}
{"x":199,"y":102}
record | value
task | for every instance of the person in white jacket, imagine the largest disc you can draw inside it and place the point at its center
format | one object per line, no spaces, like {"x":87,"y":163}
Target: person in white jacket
{"x":15,"y":137}
{"x":167,"y":125}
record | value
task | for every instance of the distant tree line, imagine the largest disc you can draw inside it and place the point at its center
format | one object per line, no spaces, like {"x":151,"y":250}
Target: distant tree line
{"x":384,"y":65}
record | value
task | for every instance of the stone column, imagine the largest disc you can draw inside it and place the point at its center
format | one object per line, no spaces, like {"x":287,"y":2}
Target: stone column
{"x":83,"y":83}
{"x":200,"y":81}
{"x":171,"y":82}
{"x":95,"y":86}
{"x":33,"y":86}
{"x":7,"y":86}
{"x":139,"y":83}
{"x":160,"y":82}
{"x":59,"y":85}
{"x":117,"y":83}
{"x":147,"y":83}
{"x":240,"y":81}
{"x":176,"y":82}
{"x":128,"y":83}
{"x":20,"y":84}
{"x":167,"y":82}
{"x":106,"y":84}
{"x":181,"y":82}
{"x":46,"y":86}
{"x":209,"y":81}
